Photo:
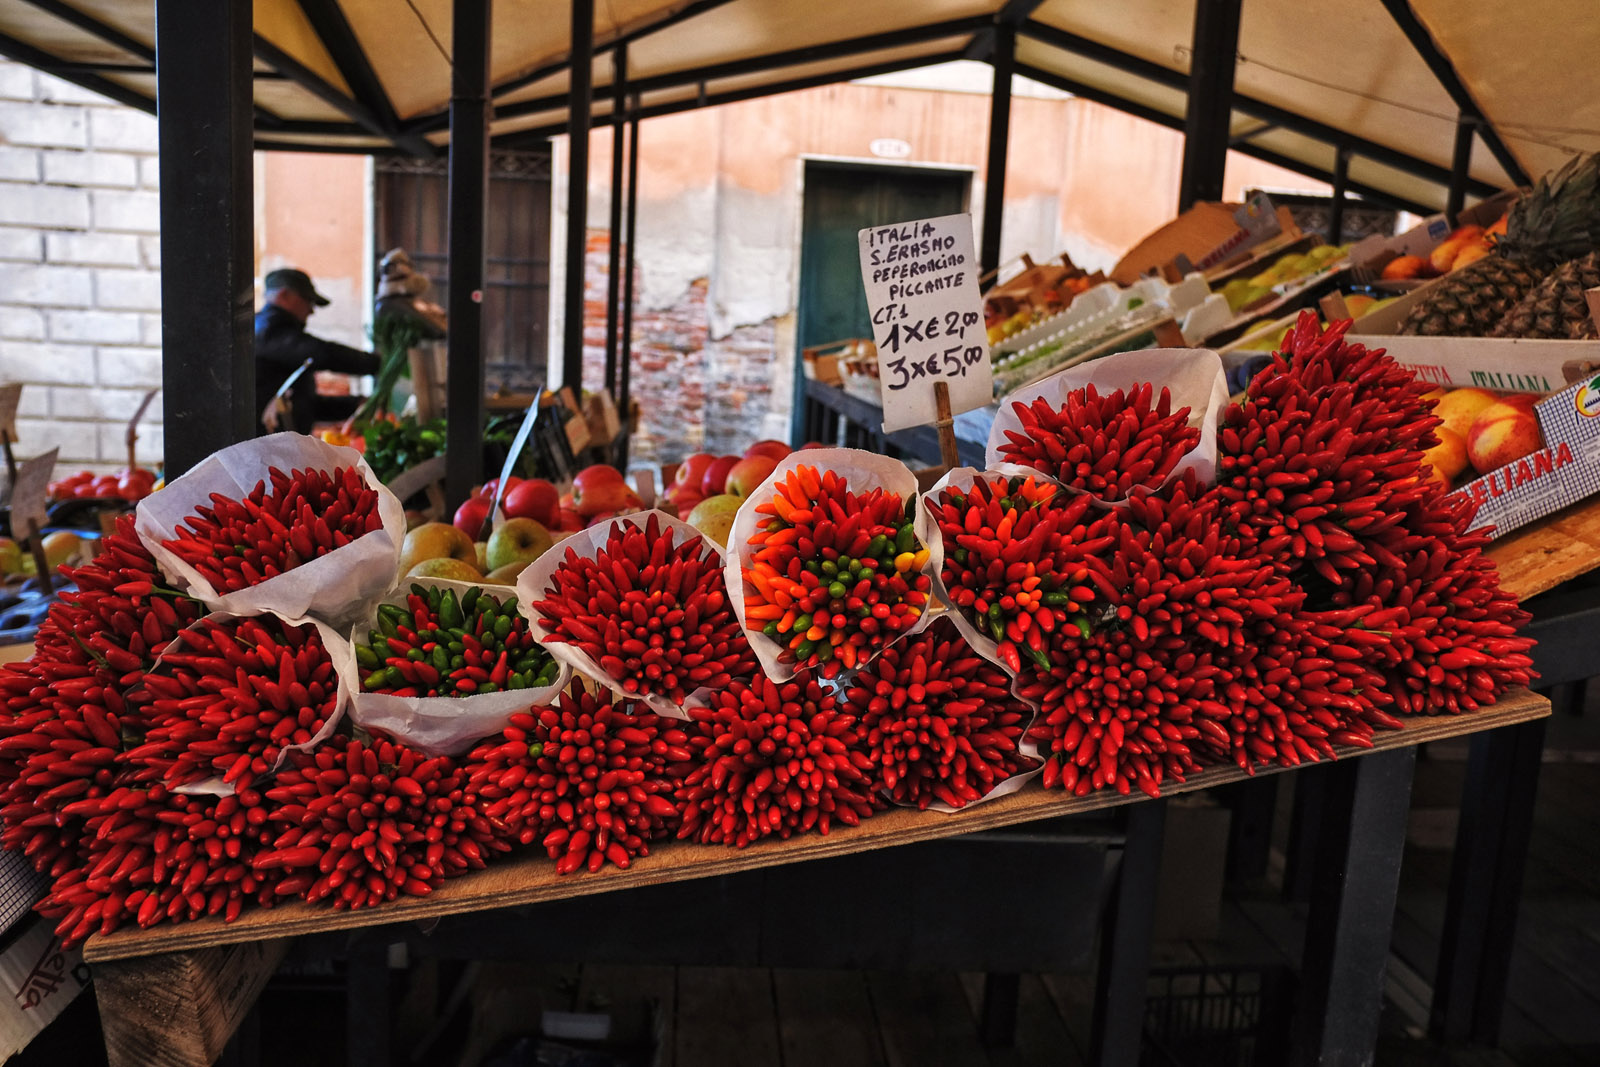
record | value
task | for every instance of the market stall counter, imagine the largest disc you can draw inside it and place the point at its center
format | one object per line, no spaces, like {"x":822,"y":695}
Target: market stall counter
{"x":173,"y":995}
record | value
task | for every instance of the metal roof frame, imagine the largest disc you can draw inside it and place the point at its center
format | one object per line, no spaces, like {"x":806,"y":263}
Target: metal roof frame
{"x":372,"y":116}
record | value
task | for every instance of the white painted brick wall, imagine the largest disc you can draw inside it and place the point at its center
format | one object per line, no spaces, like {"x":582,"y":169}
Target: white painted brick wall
{"x":18,"y":164}
{"x":96,"y":249}
{"x":62,"y":167}
{"x":80,"y":283}
{"x":139,"y":211}
{"x":46,"y":125}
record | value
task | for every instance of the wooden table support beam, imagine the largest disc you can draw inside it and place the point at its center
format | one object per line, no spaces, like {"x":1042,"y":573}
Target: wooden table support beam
{"x":178,"y":1009}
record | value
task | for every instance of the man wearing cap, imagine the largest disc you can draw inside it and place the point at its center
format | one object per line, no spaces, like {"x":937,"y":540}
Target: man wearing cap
{"x":283,"y":346}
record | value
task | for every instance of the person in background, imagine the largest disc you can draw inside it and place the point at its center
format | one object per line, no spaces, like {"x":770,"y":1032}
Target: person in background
{"x":282,"y":345}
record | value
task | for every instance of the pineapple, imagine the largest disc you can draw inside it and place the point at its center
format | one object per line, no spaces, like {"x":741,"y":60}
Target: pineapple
{"x":1556,"y":307}
{"x":1558,"y":221}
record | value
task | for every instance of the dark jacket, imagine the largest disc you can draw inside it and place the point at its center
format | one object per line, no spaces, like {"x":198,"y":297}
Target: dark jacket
{"x":282,"y":344}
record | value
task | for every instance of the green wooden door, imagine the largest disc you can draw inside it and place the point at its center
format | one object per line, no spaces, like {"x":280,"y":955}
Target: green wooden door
{"x":841,"y":199}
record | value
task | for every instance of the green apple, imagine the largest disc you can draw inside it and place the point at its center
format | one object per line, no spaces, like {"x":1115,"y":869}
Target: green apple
{"x":517,"y":541}
{"x":713,"y":517}
{"x":446,"y":567}
{"x":435,"y":540}
{"x":10,"y":556}
{"x":506,"y":575}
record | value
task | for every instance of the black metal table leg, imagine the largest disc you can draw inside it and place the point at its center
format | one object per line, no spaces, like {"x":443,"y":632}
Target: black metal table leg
{"x":367,"y":1022}
{"x":1305,"y":825}
{"x":1119,"y":993}
{"x":1253,"y":805}
{"x":1480,"y":916}
{"x":997,"y":1018}
{"x":1360,"y":844}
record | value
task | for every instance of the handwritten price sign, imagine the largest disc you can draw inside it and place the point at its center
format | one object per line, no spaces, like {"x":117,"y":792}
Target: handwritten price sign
{"x":927,"y":317}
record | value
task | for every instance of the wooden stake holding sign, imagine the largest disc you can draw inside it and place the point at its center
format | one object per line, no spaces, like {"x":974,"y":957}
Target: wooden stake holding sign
{"x":921,"y":280}
{"x":28,"y":515}
{"x":132,"y":436}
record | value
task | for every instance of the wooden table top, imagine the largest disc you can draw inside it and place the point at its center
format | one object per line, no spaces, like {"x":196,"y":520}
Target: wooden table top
{"x":529,"y":877}
{"x":1544,"y":554}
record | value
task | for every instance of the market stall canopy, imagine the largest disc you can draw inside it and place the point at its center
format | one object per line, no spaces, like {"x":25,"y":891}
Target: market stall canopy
{"x":1386,"y":80}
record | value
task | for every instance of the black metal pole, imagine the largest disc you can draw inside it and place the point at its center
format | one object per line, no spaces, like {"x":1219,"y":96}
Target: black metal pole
{"x":203,"y":104}
{"x":1205,"y":128}
{"x":468,"y":219}
{"x":579,"y":91}
{"x":994,"y":177}
{"x":625,"y":371}
{"x":1460,"y":165}
{"x":1341,"y":181}
{"x":619,"y":110}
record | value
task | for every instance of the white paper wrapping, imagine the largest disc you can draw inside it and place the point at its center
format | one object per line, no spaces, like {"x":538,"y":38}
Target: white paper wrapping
{"x":533,"y":582}
{"x":337,"y":587}
{"x":345,"y":678}
{"x":863,"y":472}
{"x":443,"y":726}
{"x":1194,"y":375}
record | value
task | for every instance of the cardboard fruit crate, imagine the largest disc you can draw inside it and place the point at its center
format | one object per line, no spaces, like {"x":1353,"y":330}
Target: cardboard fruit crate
{"x":1567,"y":468}
{"x":1563,"y":472}
{"x":1368,"y":257}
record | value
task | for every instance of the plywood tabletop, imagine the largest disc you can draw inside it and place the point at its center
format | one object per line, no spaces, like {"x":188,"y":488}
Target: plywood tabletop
{"x":529,"y":877}
{"x":1556,"y":549}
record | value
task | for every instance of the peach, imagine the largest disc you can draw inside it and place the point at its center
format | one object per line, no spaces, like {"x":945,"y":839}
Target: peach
{"x":1460,"y":406}
{"x":1448,"y":458}
{"x":1502,"y":433}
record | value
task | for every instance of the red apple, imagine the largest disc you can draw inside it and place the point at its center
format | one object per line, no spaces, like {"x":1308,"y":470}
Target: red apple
{"x":749,"y":473}
{"x":685,"y":502}
{"x":715,"y":478}
{"x":692,"y":469}
{"x":598,"y":474}
{"x":534,"y":499}
{"x":814,"y":444}
{"x":472,"y":516}
{"x":488,"y":488}
{"x":566,"y":500}
{"x":591,"y":500}
{"x":596,"y":520}
{"x":568,"y":521}
{"x":769,"y":447}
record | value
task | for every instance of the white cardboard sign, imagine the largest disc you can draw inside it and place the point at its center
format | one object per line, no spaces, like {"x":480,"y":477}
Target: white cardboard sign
{"x":927,"y":317}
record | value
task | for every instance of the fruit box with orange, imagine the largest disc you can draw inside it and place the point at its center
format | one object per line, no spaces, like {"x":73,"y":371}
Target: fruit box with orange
{"x":1561,"y":468}
{"x":1432,"y":248}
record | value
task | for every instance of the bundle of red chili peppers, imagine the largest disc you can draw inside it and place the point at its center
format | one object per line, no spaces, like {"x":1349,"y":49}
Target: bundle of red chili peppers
{"x":773,"y":759}
{"x":308,"y":513}
{"x":939,"y":721}
{"x":834,"y":576}
{"x":654,"y":615}
{"x":1107,"y":445}
{"x":1017,"y":557}
{"x":589,"y":780}
{"x":1321,"y":588}
{"x":231,"y":699}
